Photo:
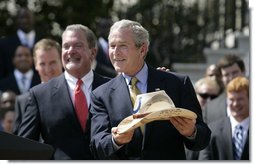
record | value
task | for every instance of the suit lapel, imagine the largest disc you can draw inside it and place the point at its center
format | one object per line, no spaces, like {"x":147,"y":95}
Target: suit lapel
{"x":120,"y":92}
{"x":245,"y":154}
{"x":227,"y":143}
{"x":61,"y":90}
{"x":15,"y":84}
{"x":120,"y":95}
{"x":155,"y":81}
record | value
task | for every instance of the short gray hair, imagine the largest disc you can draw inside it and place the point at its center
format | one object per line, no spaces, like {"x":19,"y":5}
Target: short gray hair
{"x":90,"y":36}
{"x":140,"y":34}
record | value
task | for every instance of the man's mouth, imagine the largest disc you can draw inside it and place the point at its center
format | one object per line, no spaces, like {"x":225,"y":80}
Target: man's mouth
{"x":73,"y":59}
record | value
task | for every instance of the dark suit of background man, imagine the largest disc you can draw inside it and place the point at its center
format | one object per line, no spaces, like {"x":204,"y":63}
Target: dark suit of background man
{"x":221,"y":146}
{"x":102,"y":64}
{"x":47,"y":61}
{"x":25,"y":35}
{"x":50,"y":111}
{"x":111,"y":103}
{"x":23,"y":77}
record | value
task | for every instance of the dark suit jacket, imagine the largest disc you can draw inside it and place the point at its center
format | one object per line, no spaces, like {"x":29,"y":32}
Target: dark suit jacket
{"x":221,"y":144}
{"x":50,"y":113}
{"x":104,"y":66}
{"x":8,"y":47}
{"x":111,"y":103}
{"x":10,"y":83}
{"x":20,"y":107}
{"x":216,"y":109}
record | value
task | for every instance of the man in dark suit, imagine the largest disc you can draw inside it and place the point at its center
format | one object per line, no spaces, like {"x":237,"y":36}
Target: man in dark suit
{"x":23,"y":77}
{"x":111,"y":103}
{"x":230,"y":66}
{"x":50,"y":111}
{"x":25,"y":35}
{"x":47,"y":61}
{"x":221,"y":146}
{"x":102,"y":64}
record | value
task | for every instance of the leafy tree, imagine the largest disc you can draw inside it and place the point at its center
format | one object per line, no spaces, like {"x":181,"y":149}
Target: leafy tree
{"x":179,"y":29}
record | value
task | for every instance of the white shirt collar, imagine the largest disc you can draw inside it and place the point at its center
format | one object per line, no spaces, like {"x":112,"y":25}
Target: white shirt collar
{"x":23,"y":84}
{"x":87,"y":79}
{"x":86,"y":87}
{"x":24,"y":36}
{"x":104,"y":44}
{"x":245,"y":123}
{"x":19,"y":75}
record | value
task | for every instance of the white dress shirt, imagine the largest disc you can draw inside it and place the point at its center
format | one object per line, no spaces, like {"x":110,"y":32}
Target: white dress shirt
{"x":23,"y":86}
{"x":27,"y":39}
{"x":86,"y":86}
{"x":245,"y":124}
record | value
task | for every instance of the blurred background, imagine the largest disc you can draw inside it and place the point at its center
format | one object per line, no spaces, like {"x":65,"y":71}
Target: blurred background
{"x":186,"y":35}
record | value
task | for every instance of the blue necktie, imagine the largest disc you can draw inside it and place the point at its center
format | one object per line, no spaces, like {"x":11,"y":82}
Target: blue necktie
{"x":238,"y":142}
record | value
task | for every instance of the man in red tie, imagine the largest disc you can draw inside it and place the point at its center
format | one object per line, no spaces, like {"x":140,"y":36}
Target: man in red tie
{"x":54,"y":110}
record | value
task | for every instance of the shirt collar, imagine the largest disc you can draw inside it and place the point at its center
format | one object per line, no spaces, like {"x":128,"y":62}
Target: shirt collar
{"x":30,"y":36}
{"x":19,"y":75}
{"x":142,"y":75}
{"x":245,"y":123}
{"x":23,"y":34}
{"x":87,"y":79}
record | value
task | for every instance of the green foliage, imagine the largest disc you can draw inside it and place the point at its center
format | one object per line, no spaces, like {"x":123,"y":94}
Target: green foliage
{"x":179,"y":29}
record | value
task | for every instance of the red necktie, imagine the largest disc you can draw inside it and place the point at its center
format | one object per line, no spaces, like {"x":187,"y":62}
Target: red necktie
{"x":80,"y":104}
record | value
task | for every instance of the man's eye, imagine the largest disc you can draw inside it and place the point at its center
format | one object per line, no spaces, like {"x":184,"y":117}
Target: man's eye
{"x":78,"y":46}
{"x":112,"y":46}
{"x":66,"y":47}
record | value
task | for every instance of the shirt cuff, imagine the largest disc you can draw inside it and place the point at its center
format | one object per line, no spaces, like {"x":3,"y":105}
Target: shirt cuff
{"x":116,"y":146}
{"x":193,"y":136}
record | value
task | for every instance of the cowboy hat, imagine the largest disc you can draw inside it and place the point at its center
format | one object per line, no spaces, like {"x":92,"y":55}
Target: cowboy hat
{"x":150,"y":107}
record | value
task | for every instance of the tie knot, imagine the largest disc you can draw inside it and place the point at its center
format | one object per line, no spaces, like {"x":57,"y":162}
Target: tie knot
{"x":239,"y":127}
{"x":134,"y":81}
{"x":79,"y":82}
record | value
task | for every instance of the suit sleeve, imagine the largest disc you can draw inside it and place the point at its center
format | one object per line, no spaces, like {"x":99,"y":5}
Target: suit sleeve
{"x":101,"y":138}
{"x":18,"y":117}
{"x":189,"y":101}
{"x":30,"y":124}
{"x":205,"y":154}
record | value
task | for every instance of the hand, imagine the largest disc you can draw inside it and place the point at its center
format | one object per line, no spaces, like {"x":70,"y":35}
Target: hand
{"x":122,"y":138}
{"x":184,"y":125}
{"x":163,"y":69}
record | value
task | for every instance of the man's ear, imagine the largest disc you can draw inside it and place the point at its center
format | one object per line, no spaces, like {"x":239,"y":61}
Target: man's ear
{"x":93,"y":53}
{"x":144,"y":50}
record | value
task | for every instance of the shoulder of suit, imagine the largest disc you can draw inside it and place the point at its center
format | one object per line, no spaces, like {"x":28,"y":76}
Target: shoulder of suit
{"x":219,"y":123}
{"x":215,"y":102}
{"x":110,"y":83}
{"x":51,"y":83}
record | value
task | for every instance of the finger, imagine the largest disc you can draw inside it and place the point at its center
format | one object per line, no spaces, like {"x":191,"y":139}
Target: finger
{"x":114,"y":130}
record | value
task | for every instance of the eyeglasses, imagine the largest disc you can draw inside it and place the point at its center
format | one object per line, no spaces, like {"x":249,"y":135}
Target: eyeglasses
{"x":207,"y":95}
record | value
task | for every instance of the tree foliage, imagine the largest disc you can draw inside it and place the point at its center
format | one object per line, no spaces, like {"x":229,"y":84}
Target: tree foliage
{"x":179,"y":29}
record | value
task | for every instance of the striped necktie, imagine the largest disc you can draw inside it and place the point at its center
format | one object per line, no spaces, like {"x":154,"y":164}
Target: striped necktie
{"x":23,"y":88}
{"x":134,"y":91}
{"x":238,"y":142}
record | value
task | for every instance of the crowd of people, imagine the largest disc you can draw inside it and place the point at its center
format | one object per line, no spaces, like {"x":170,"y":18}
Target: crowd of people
{"x":54,"y":94}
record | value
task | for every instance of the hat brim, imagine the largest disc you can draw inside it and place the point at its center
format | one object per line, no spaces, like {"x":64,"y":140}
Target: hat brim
{"x":157,"y":111}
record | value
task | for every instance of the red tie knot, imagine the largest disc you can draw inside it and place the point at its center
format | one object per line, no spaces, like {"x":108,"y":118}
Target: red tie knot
{"x":78,"y":85}
{"x":79,"y":82}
